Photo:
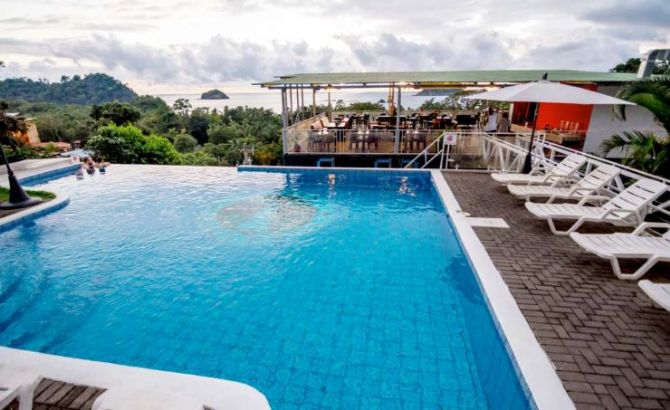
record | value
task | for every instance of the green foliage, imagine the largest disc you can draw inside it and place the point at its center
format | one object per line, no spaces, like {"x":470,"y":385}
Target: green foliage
{"x":366,"y":106}
{"x":184,"y":143}
{"x":630,"y":66}
{"x":149,"y":103}
{"x":147,"y":130}
{"x":644,"y":151}
{"x":91,"y":89}
{"x":201,"y":158}
{"x":214,"y":95}
{"x":182,"y":106}
{"x":652,"y":94}
{"x":119,"y":144}
{"x":158,"y":150}
{"x":116,"y":112}
{"x":198,"y":123}
{"x":17,"y":152}
{"x":4,"y":194}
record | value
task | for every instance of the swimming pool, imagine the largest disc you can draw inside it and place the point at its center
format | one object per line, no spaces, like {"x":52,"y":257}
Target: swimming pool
{"x":344,"y":293}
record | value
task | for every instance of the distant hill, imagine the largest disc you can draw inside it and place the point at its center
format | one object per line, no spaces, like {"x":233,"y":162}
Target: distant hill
{"x":436,"y":92}
{"x":214,"y":95}
{"x":91,"y":89}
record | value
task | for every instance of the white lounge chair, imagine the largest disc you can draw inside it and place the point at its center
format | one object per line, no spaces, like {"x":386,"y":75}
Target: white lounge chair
{"x":589,"y":185}
{"x":625,"y":209}
{"x":17,"y":384}
{"x":563,"y":170}
{"x":633,"y":245}
{"x":658,"y":292}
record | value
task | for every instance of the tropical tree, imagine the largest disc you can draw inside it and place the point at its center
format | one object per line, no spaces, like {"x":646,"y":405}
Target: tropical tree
{"x":185,"y":143}
{"x":644,"y":150}
{"x":652,"y":94}
{"x":116,"y":112}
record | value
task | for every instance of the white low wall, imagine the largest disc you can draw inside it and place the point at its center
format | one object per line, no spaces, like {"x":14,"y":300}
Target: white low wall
{"x":604,"y":124}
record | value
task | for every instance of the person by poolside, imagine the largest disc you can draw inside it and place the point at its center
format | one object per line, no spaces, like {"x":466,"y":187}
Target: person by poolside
{"x":504,"y":124}
{"x":491,"y":121}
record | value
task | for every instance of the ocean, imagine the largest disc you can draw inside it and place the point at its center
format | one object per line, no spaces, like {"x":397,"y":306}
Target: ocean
{"x":272,"y":99}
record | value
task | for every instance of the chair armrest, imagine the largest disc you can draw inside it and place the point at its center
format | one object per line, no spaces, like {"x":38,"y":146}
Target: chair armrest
{"x":615,"y":211}
{"x":591,"y":198}
{"x":646,"y":225}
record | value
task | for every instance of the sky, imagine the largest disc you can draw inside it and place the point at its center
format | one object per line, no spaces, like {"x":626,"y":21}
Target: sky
{"x":182,"y":46}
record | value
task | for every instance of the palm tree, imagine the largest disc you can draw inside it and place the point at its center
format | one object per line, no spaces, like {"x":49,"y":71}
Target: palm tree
{"x":643,"y":149}
{"x":652,"y":94}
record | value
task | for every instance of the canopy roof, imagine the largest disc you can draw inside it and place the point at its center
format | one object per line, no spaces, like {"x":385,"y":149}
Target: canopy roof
{"x":548,"y":91}
{"x":442,"y":79}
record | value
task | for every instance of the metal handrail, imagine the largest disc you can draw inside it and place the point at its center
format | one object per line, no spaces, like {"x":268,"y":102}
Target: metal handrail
{"x":426,"y":151}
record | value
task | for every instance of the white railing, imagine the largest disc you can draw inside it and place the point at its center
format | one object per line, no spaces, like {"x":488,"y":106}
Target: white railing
{"x":508,"y":157}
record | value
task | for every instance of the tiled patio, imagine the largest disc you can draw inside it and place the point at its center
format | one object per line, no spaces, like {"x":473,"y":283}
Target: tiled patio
{"x":610,"y":345}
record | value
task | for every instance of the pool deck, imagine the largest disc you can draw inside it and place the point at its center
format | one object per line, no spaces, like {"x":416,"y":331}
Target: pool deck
{"x":609,"y":343}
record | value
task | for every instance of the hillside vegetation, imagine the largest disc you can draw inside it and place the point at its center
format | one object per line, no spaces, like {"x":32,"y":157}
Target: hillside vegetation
{"x":91,"y":89}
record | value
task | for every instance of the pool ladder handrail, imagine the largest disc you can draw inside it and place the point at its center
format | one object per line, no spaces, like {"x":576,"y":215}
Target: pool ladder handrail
{"x":439,"y":153}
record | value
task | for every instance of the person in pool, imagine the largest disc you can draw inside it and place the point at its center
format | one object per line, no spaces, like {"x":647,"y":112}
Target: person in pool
{"x":90,"y":166}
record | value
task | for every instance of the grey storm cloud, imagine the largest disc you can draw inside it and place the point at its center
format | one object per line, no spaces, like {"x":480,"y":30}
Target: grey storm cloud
{"x":390,"y":52}
{"x":218,"y":59}
{"x":636,"y":13}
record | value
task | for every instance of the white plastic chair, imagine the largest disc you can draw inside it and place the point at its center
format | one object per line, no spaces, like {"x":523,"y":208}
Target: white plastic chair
{"x":593,"y":182}
{"x":633,"y":245}
{"x":625,"y":209}
{"x":17,"y":384}
{"x":562,"y":171}
{"x":658,"y":292}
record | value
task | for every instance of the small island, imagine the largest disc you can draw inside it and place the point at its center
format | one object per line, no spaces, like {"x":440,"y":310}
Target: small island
{"x":214,"y":95}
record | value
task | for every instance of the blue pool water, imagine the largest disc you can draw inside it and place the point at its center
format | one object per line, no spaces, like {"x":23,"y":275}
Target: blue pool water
{"x":347,"y":295}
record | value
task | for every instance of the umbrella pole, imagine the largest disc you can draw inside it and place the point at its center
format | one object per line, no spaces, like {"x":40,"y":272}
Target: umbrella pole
{"x":527,"y":162}
{"x":17,"y":196}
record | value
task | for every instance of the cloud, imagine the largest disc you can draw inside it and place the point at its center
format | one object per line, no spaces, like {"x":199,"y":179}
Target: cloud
{"x":217,"y":60}
{"x":640,"y":14}
{"x":250,"y":40}
{"x":389,"y":52}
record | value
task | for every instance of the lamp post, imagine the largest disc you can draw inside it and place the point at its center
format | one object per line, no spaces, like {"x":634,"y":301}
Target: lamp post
{"x":17,"y":196}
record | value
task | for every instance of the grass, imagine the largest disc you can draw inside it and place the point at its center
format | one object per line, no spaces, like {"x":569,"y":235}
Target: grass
{"x":4,"y":194}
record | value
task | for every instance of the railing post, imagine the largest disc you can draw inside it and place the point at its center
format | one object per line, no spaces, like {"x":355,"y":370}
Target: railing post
{"x":284,"y":121}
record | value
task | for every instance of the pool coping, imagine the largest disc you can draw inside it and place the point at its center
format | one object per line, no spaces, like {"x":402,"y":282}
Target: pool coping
{"x":26,"y":215}
{"x":538,"y":375}
{"x":212,"y":392}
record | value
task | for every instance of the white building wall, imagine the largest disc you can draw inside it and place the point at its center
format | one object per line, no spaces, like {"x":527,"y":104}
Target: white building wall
{"x":604,"y":124}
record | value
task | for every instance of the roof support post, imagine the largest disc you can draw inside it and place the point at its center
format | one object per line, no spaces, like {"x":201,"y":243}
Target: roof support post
{"x":302,"y":102}
{"x":330,"y":108}
{"x":396,"y":146}
{"x":284,"y":121}
{"x":290,"y":96}
{"x":313,"y":101}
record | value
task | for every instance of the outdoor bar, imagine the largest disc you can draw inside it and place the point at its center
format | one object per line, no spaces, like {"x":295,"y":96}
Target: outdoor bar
{"x":395,"y":135}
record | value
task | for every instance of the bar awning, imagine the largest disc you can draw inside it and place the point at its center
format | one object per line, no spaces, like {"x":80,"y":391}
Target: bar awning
{"x":441,"y":79}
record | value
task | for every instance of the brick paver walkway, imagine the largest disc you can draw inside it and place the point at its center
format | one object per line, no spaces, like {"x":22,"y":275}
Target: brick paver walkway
{"x":610,"y":345}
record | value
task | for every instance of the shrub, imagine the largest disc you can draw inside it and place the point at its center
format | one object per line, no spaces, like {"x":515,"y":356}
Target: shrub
{"x":185,"y":143}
